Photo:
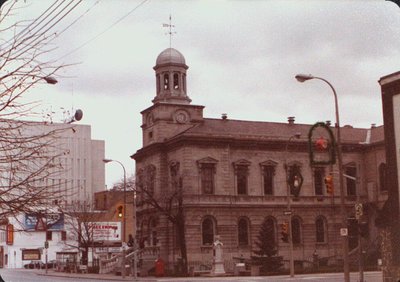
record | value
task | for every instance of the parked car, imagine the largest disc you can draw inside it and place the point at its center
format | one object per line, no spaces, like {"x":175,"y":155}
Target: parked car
{"x":51,"y":264}
{"x":35,"y":264}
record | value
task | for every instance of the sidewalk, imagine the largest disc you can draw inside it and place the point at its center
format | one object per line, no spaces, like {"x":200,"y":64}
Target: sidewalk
{"x":94,"y":276}
{"x":112,"y":277}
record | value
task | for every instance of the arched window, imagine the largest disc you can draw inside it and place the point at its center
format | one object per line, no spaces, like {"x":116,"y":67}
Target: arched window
{"x":296,"y":230}
{"x":382,"y":177}
{"x":243,"y":232}
{"x":176,"y":81}
{"x":166,"y":81}
{"x":153,"y":232}
{"x":207,"y":231}
{"x":320,"y":230}
{"x":270,"y":229}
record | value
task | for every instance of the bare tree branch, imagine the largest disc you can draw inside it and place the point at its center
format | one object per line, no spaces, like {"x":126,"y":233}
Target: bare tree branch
{"x":31,"y":153}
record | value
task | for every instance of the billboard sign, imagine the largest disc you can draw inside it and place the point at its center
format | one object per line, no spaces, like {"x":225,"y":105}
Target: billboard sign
{"x":37,"y":221}
{"x":106,"y":231}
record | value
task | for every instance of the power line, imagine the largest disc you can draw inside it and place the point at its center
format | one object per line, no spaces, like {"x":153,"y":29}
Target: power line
{"x":104,"y":31}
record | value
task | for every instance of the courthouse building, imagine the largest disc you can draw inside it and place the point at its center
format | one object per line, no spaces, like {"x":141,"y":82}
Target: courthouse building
{"x":234,"y":178}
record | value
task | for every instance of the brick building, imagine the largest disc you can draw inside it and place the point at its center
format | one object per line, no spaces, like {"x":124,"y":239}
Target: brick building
{"x":233,"y":179}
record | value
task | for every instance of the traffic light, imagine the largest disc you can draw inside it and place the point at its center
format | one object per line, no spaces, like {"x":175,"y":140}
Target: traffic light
{"x":120,"y":211}
{"x":329,"y":184}
{"x":285,"y":232}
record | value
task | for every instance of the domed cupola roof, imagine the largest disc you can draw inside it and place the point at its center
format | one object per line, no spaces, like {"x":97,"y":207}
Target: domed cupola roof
{"x":170,"y":56}
{"x":171,"y":77}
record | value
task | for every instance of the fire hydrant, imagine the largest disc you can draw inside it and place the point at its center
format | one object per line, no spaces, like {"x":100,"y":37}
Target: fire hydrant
{"x":160,"y":267}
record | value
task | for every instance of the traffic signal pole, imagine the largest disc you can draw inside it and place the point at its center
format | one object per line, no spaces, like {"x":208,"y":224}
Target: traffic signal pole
{"x":289,"y":208}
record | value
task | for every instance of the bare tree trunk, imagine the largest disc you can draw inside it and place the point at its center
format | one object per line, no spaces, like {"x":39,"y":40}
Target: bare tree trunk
{"x":180,"y":220}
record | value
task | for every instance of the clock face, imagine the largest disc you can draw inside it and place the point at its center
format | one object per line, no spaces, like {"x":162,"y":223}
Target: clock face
{"x":181,"y":116}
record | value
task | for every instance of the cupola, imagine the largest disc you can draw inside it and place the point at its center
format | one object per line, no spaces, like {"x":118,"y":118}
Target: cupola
{"x":170,"y":71}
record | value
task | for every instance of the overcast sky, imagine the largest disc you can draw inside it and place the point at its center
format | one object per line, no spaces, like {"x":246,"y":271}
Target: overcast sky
{"x":242,"y":58}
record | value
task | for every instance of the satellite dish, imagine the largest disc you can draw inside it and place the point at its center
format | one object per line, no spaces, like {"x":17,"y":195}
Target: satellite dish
{"x":78,"y":115}
{"x":50,"y":80}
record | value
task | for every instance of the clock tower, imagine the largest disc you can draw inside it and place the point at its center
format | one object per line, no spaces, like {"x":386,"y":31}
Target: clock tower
{"x":171,"y":112}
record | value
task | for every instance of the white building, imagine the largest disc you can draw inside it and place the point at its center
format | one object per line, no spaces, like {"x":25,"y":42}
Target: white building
{"x":29,"y":245}
{"x":82,"y":175}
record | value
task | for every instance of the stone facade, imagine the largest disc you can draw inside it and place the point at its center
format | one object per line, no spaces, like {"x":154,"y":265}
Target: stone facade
{"x":233,"y":178}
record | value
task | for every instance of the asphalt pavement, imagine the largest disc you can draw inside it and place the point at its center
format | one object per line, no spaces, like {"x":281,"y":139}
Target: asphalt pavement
{"x":375,"y":276}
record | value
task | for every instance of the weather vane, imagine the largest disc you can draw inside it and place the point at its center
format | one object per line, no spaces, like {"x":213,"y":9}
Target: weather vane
{"x":170,"y":32}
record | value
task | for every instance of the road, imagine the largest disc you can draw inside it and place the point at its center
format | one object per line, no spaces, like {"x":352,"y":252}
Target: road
{"x":27,"y":275}
{"x":375,"y":276}
{"x":23,"y":275}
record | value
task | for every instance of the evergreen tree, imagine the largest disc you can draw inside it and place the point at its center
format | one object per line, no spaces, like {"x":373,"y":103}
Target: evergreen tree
{"x":267,"y":248}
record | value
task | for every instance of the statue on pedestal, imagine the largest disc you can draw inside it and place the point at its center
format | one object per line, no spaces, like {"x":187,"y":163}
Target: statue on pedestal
{"x":218,"y":262}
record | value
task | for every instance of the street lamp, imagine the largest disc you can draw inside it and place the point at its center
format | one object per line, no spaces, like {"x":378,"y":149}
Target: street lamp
{"x":305,"y":77}
{"x":289,"y":211}
{"x":123,"y":216}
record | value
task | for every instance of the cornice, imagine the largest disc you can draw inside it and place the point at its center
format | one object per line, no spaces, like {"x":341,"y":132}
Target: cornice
{"x":240,"y":143}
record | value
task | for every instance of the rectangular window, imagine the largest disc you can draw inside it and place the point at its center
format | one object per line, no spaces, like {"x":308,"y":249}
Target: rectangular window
{"x":318,"y":181}
{"x":207,"y":178}
{"x":241,"y":177}
{"x":31,"y":254}
{"x":351,"y":183}
{"x":63,"y":235}
{"x":49,"y":235}
{"x":268,"y":177}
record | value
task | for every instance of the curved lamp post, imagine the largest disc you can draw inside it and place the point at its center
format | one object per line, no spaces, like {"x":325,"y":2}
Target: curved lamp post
{"x":305,"y":77}
{"x":289,"y":211}
{"x":123,"y":215}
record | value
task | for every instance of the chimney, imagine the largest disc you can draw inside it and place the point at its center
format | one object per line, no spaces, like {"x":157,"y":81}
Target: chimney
{"x":290,"y":120}
{"x":328,"y":123}
{"x":224,"y":116}
{"x":373,"y":125}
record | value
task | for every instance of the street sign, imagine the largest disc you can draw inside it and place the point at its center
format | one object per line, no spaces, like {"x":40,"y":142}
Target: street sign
{"x":108,"y":250}
{"x":287,"y":212}
{"x":359,"y":210}
{"x":343,"y":232}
